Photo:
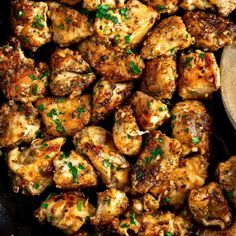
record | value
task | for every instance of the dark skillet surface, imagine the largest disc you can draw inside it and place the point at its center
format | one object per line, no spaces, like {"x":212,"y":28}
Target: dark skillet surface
{"x":16,"y":210}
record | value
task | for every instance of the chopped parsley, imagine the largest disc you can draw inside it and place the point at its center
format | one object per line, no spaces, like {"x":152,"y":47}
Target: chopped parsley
{"x":157,"y":151}
{"x":106,"y":163}
{"x":52,"y":113}
{"x":81,"y":167}
{"x":172,"y":50}
{"x":187,"y":62}
{"x":39,"y":134}
{"x":61,"y":100}
{"x":38,"y":22}
{"x":230,"y":195}
{"x":25,"y":40}
{"x":124,"y":12}
{"x":44,"y":205}
{"x":124,"y":225}
{"x":160,"y":7}
{"x":147,"y":160}
{"x":68,"y":20}
{"x":173,"y":117}
{"x":36,"y":185}
{"x":166,"y":200}
{"x":195,"y":140}
{"x":20,"y":14}
{"x":59,"y":126}
{"x":61,"y":26}
{"x":35,"y":89}
{"x":45,"y":73}
{"x":168,"y":234}
{"x":202,"y":55}
{"x":73,"y":171}
{"x":41,"y":107}
{"x":133,"y":220}
{"x":160,"y":140}
{"x":49,"y":196}
{"x":149,"y":105}
{"x":47,"y":157}
{"x":129,"y":51}
{"x":102,"y":13}
{"x":186,"y":130}
{"x":127,"y":39}
{"x":80,"y":110}
{"x":20,"y":108}
{"x":64,"y":155}
{"x":129,"y":136}
{"x":162,"y":109}
{"x":44,"y":145}
{"x":134,"y":68}
{"x":79,"y":205}
{"x":32,"y":77}
{"x":51,"y":218}
{"x":17,"y":88}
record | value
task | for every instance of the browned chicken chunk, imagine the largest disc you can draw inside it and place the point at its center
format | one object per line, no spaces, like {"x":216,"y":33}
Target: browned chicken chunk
{"x":29,"y":22}
{"x":68,"y":25}
{"x":93,"y":5}
{"x":199,"y":75}
{"x":70,"y":73}
{"x":224,"y":7}
{"x":164,"y":6}
{"x":32,"y":168}
{"x":70,"y":2}
{"x":72,"y":170}
{"x":150,"y":112}
{"x":111,"y":203}
{"x":126,"y":133}
{"x":209,"y":206}
{"x":159,"y":157}
{"x":169,"y":36}
{"x":18,"y":123}
{"x":97,"y":144}
{"x":227,"y":178}
{"x":67,"y":211}
{"x":110,"y":63}
{"x":64,"y":116}
{"x":107,"y":96}
{"x":210,"y":31}
{"x":127,"y":27}
{"x":191,"y":125}
{"x":159,"y":79}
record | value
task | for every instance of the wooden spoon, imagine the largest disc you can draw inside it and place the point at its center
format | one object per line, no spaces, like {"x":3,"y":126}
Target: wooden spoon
{"x":228,"y":81}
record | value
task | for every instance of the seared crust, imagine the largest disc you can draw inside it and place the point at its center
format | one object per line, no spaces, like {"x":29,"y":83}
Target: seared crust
{"x":210,"y":31}
{"x":164,"y":6}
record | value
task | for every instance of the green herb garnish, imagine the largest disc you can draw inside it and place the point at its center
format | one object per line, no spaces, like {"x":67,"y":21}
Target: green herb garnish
{"x":102,"y":13}
{"x":73,"y":171}
{"x":80,"y":110}
{"x":160,"y":7}
{"x":134,"y":68}
{"x":195,"y":140}
{"x":133,"y":220}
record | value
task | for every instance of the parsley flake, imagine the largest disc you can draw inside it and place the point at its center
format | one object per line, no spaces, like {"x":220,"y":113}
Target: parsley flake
{"x":102,"y":13}
{"x":195,"y":140}
{"x":160,"y":7}
{"x":133,"y":220}
{"x":187,"y":62}
{"x":79,"y":205}
{"x":80,"y":110}
{"x":73,"y":171}
{"x":134,"y":68}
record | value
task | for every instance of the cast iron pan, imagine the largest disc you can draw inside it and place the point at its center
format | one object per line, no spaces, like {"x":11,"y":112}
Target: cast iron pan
{"x":16,"y":210}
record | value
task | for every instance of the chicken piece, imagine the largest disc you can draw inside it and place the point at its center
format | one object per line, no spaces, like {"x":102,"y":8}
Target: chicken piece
{"x":191,"y":125}
{"x":64,"y":116}
{"x":158,"y":223}
{"x":71,"y":2}
{"x":110,"y":204}
{"x":158,"y":159}
{"x":150,"y":112}
{"x":107,"y":96}
{"x":67,"y":211}
{"x":12,"y":58}
{"x":126,"y":27}
{"x":169,"y":36}
{"x":209,"y":206}
{"x":97,"y":144}
{"x":190,"y":174}
{"x":224,"y":7}
{"x":110,"y":63}
{"x":70,"y":73}
{"x":26,"y":84}
{"x":73,"y":171}
{"x":150,"y":202}
{"x":210,"y":31}
{"x":226,"y":172}
{"x":126,"y":133}
{"x":18,"y":124}
{"x":199,"y":75}
{"x":164,"y":6}
{"x":68,"y":25}
{"x":231,"y":231}
{"x":32,"y":168}
{"x":159,"y":77}
{"x":29,"y":22}
{"x":93,"y":5}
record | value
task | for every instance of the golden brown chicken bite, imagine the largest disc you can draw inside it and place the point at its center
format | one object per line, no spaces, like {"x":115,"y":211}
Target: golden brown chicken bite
{"x":70,"y":2}
{"x":126,"y":133}
{"x":110,"y":204}
{"x":70,"y":73}
{"x":159,"y":157}
{"x":107,"y":96}
{"x":164,"y":6}
{"x":32,"y":168}
{"x":29,"y":22}
{"x":210,"y":31}
{"x":67,"y":211}
{"x":27,"y":84}
{"x":127,"y":26}
{"x":68,"y":25}
{"x":159,"y":78}
{"x":226,"y":172}
{"x":169,"y":36}
{"x":93,"y":5}
{"x":107,"y":61}
{"x":209,"y":206}
{"x":65,"y":116}
{"x":224,"y":7}
{"x":191,"y":125}
{"x":72,"y":170}
{"x":97,"y":144}
{"x":18,"y":123}
{"x":150,"y":112}
{"x":199,"y":75}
